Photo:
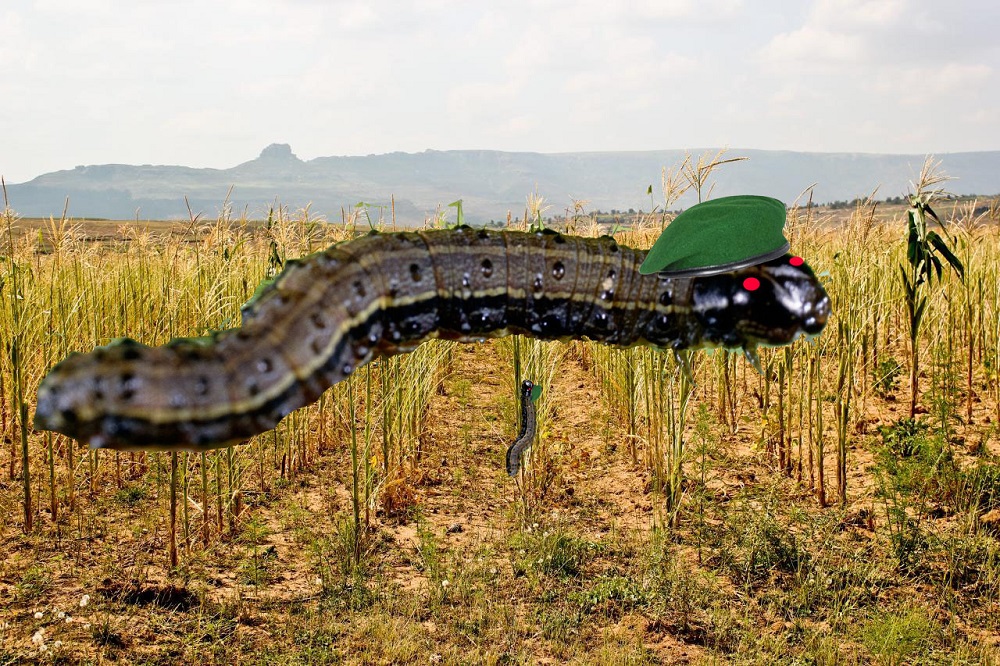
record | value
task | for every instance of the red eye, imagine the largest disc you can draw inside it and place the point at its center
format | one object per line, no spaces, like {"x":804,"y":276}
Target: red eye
{"x":751,"y":284}
{"x":796,"y":261}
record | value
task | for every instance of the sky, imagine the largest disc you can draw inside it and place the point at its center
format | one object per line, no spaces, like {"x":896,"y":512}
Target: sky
{"x":209,"y":83}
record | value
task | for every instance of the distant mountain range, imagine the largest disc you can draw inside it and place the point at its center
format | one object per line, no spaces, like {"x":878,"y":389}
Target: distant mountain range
{"x":490,"y":183}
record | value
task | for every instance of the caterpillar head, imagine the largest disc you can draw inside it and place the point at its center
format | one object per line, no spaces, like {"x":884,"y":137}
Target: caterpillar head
{"x":769,"y":304}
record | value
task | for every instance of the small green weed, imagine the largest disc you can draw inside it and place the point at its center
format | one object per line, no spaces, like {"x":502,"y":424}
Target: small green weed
{"x":559,"y":625}
{"x":907,"y":536}
{"x":971,"y":564}
{"x":679,"y":591}
{"x":105,"y":633}
{"x":258,"y":568}
{"x":462,"y":390}
{"x":920,"y":463}
{"x":34,"y":583}
{"x":982,"y":486}
{"x":886,"y":379}
{"x":431,"y":560}
{"x":552,"y":552}
{"x":754,"y":545}
{"x":612,"y":595}
{"x":131,"y":494}
{"x":900,"y":637}
{"x":254,"y":531}
{"x":905,"y":437}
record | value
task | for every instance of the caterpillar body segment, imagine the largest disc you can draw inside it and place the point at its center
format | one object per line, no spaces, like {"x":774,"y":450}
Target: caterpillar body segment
{"x":332,"y":312}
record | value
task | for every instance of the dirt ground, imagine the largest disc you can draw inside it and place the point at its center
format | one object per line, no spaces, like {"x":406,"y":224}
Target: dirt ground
{"x":464,"y":564}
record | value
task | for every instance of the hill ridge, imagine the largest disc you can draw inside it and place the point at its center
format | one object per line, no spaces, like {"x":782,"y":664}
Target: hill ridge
{"x":490,"y":182}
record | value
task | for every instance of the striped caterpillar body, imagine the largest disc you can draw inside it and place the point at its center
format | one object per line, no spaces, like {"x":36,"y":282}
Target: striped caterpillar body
{"x":329,"y":313}
{"x":529,"y":424}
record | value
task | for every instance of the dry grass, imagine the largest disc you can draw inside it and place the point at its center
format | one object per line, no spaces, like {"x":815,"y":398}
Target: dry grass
{"x":379,"y":526}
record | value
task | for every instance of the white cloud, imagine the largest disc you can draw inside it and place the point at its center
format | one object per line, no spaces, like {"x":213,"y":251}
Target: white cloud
{"x":202,"y":120}
{"x":859,"y":13}
{"x":213,"y":83}
{"x":813,"y":45}
{"x":356,"y":16}
{"x":983,"y":117}
{"x":927,"y":82}
{"x":690,"y":9}
{"x":16,"y":50}
{"x":882,"y":76}
{"x":837,"y":31}
{"x":474,"y":99}
{"x":69,"y":7}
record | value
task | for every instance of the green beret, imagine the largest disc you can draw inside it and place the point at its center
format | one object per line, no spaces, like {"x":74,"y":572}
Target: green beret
{"x":718,"y":236}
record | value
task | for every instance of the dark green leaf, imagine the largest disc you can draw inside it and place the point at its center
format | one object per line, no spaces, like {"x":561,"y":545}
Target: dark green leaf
{"x":914,"y":248}
{"x":937,"y":266}
{"x":906,"y":283}
{"x":930,"y":211}
{"x":918,"y":315}
{"x":949,"y":256}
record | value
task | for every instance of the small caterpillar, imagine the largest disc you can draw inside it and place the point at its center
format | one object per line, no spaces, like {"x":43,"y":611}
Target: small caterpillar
{"x":329,"y":313}
{"x":529,"y":424}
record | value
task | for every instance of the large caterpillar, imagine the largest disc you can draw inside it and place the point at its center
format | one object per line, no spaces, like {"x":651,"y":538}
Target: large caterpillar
{"x":329,"y":313}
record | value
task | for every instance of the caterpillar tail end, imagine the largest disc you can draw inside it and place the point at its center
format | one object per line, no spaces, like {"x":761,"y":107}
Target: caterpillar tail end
{"x":513,"y":460}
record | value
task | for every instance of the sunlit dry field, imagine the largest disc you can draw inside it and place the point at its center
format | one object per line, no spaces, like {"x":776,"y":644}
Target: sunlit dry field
{"x":806,"y":520}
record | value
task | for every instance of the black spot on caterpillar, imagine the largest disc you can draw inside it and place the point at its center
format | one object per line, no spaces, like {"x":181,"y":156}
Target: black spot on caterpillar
{"x":529,"y":424}
{"x":329,"y":313}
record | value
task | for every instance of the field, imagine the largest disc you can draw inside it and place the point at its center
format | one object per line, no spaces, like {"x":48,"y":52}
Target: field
{"x":806,"y":520}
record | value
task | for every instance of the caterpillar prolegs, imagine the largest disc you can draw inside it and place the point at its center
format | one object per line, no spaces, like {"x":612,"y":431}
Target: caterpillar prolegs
{"x":329,"y":313}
